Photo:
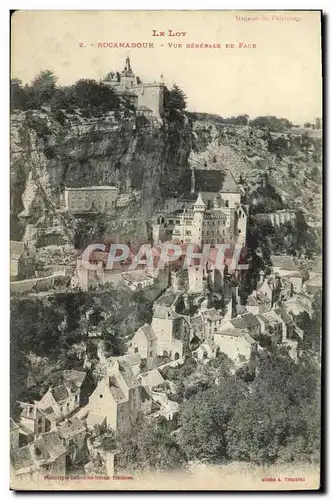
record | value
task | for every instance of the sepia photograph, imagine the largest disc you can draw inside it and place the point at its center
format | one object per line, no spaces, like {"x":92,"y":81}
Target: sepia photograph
{"x":166,"y":262}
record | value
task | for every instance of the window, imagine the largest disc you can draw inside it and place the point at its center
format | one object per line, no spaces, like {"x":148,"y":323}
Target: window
{"x":226,"y":203}
{"x":177,"y":222}
{"x":136,"y":349}
{"x":151,"y":354}
{"x":239,"y":231}
{"x":100,"y":395}
{"x":40,"y":420}
{"x":170,"y":221}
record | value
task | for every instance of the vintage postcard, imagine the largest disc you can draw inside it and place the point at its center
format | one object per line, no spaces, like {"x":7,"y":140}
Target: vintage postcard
{"x":166,"y":250}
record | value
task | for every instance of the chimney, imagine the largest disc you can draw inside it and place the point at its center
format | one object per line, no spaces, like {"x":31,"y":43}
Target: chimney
{"x":192,"y":180}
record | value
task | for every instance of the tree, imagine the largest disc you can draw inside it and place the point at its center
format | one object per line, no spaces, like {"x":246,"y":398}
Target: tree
{"x":176,"y":99}
{"x":275,"y":421}
{"x":271,"y":123}
{"x":95,"y":97}
{"x":204,"y":419}
{"x":44,"y":87}
{"x":17,"y":95}
{"x":149,"y":447}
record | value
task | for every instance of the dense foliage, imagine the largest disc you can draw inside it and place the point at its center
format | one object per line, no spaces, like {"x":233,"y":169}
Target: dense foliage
{"x":272,"y":416}
{"x":94,"y":98}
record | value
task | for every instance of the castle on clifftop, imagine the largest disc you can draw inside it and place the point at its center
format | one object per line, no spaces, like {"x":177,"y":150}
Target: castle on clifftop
{"x":147,"y":97}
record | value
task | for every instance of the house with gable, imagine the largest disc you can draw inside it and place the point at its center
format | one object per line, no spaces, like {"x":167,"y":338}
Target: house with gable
{"x":72,"y":432}
{"x":118,"y":399}
{"x":170,"y":328}
{"x":44,"y":456}
{"x":261,"y":299}
{"x":35,"y":421}
{"x":144,"y":343}
{"x":62,"y":400}
{"x":284,"y":266}
{"x":236,"y":343}
{"x":212,"y":319}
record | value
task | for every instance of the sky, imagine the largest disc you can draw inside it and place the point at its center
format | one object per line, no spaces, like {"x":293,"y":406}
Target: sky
{"x":281,"y":76}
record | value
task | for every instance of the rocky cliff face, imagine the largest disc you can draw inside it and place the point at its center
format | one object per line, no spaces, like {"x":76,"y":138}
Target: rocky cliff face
{"x":49,"y":152}
{"x":53,"y":150}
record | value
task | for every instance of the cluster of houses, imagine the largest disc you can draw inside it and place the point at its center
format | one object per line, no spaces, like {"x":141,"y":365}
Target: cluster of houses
{"x":52,"y":433}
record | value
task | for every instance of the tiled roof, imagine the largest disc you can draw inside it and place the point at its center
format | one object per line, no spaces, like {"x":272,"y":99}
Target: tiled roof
{"x":131,"y":359}
{"x":115,"y":390}
{"x":71,"y":427}
{"x":250,"y":320}
{"x":74,"y":376}
{"x":238,"y":323}
{"x":126,"y":373}
{"x":152,"y":378}
{"x":148,"y":332}
{"x":21,"y":458}
{"x":49,"y":413}
{"x":60,"y":392}
{"x":50,"y":444}
{"x":214,"y":181}
{"x":284,"y":262}
{"x":16,"y":249}
{"x":211,"y":315}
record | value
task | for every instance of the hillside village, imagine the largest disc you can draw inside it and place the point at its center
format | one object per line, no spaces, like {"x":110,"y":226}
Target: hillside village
{"x":201,"y":321}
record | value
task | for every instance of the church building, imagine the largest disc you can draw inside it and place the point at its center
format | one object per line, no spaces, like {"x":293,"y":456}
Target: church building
{"x":210,"y":213}
{"x":147,"y":97}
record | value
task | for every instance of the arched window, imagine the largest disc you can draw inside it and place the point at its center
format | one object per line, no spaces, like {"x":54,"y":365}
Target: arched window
{"x":226,"y":203}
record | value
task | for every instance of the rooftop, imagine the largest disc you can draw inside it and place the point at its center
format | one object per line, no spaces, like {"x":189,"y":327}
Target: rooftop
{"x":70,"y":427}
{"x":115,"y":390}
{"x":211,"y":315}
{"x":250,"y":320}
{"x":16,"y":249}
{"x":148,"y":332}
{"x":215,"y":181}
{"x":238,"y":323}
{"x":152,"y":378}
{"x":75,"y":377}
{"x":284,"y":262}
{"x":60,"y":392}
{"x":167,"y":299}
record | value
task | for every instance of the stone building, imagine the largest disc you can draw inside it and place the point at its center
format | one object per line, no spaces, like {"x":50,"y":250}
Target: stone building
{"x":211,"y":213}
{"x":118,"y":399}
{"x":91,"y":199}
{"x":144,"y":342}
{"x":283,"y":266}
{"x":46,"y":455}
{"x":147,"y":97}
